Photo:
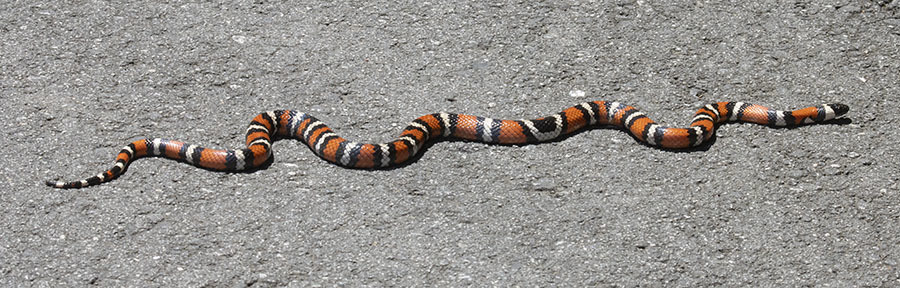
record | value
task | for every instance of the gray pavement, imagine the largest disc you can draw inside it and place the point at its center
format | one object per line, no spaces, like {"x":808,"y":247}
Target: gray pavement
{"x":811,"y":206}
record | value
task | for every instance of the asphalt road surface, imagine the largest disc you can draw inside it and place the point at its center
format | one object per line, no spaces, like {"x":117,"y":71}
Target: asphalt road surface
{"x":809,"y":206}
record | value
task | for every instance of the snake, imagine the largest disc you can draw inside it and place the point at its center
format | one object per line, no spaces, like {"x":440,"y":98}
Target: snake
{"x":324,"y":143}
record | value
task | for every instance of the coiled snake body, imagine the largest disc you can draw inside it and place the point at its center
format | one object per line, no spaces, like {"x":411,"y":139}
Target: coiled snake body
{"x":331,"y":147}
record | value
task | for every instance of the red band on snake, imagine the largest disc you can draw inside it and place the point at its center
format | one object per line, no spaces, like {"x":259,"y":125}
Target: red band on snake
{"x":329,"y":146}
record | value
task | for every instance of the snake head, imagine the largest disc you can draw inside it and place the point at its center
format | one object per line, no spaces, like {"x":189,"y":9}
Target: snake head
{"x":839,"y":109}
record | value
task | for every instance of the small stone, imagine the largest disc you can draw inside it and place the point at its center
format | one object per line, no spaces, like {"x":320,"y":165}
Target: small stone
{"x":695,"y":92}
{"x":798,"y":154}
{"x":641,"y":245}
{"x":757,"y":142}
{"x":544,"y":184}
{"x":796,"y":174}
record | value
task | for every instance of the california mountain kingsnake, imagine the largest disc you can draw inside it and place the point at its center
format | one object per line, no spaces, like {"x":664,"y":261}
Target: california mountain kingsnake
{"x":331,"y":147}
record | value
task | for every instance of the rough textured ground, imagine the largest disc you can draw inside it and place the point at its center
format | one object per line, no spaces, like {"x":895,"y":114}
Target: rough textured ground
{"x":812,"y":206}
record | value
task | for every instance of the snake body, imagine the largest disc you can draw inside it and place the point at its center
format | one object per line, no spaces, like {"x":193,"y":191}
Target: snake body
{"x":329,"y":146}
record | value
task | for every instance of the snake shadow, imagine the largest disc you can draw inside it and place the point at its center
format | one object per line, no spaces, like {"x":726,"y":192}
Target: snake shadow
{"x":428,"y":144}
